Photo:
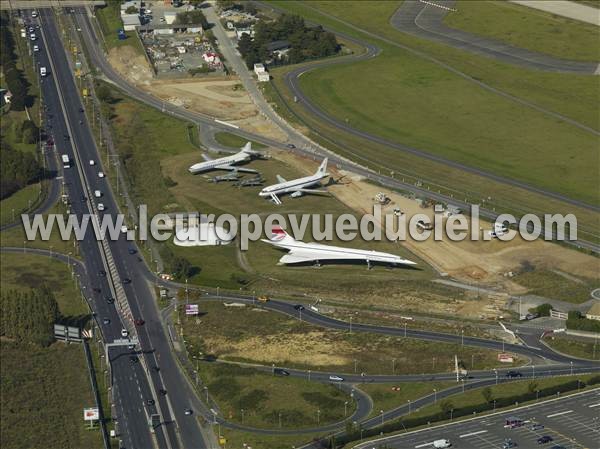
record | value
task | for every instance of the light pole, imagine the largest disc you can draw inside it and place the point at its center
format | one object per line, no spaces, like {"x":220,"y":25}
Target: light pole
{"x":409,"y":410}
{"x":571,"y":367}
{"x":345,"y":408}
{"x":242,"y":416}
{"x":451,"y":412}
{"x":206,"y":391}
{"x":318,"y":416}
{"x":187,"y":296}
{"x":309,"y":375}
{"x":496,"y":373}
{"x":381,"y":411}
{"x":435,"y":396}
{"x":280,"y":420}
{"x":405,"y":329}
{"x":494,"y":405}
{"x":393,"y":366}
{"x":533,"y":370}
{"x":350,"y":324}
{"x":462,"y":337}
{"x":355,"y":366}
{"x":463,"y":385}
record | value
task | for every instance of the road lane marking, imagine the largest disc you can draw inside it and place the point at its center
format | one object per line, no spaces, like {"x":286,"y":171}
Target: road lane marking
{"x":423,"y":445}
{"x":559,"y":413}
{"x":594,"y":405}
{"x":472,"y":434}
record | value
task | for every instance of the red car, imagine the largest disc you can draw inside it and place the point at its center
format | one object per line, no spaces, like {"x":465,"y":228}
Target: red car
{"x":139,"y":322}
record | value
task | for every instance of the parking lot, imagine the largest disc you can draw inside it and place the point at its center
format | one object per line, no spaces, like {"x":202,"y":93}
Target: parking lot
{"x":572,"y":422}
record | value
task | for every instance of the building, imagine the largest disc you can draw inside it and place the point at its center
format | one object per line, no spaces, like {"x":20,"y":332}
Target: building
{"x":259,"y":68}
{"x":211,"y":57}
{"x":593,"y":312}
{"x":239,"y":32}
{"x":170,"y":17}
{"x":263,"y":77}
{"x":130,"y":21}
{"x":278,"y":48}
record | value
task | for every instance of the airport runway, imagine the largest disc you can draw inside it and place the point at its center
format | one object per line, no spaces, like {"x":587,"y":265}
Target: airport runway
{"x":424,"y":20}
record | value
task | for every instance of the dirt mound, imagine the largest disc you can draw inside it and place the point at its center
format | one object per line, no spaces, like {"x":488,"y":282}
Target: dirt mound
{"x":130,"y":64}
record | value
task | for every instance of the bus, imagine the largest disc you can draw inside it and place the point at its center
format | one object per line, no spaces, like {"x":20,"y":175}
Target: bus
{"x":65,"y":160}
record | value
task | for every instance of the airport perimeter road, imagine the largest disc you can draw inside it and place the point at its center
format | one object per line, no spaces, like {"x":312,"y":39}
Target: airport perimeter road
{"x":425,"y":20}
{"x":572,"y":422}
{"x":93,"y":42}
{"x":180,"y":430}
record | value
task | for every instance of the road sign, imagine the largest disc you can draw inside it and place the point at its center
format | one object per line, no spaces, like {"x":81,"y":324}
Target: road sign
{"x":91,"y":414}
{"x":191,"y":309}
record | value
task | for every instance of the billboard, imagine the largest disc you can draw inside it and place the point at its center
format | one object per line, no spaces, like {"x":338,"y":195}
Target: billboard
{"x":91,"y":414}
{"x":191,"y":309}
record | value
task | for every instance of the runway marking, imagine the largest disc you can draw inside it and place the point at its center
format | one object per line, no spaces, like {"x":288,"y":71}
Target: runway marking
{"x":594,"y":405}
{"x":559,"y":413}
{"x":472,"y":434}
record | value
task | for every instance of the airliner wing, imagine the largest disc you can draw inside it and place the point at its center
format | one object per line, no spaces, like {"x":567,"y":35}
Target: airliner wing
{"x":232,"y":167}
{"x":280,"y":179}
{"x":309,"y":255}
{"x":312,"y":191}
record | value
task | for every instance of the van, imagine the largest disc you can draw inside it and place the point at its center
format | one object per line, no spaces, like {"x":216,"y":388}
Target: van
{"x":439,"y":444}
{"x":43,"y":71}
{"x":97,"y":193}
{"x":100,"y":206}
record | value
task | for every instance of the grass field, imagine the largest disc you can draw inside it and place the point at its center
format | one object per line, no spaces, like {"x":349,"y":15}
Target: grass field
{"x":254,"y":335}
{"x":231,"y":140}
{"x":452,"y":104}
{"x":527,"y":28}
{"x":263,"y":397}
{"x":18,"y":203}
{"x":386,"y":398}
{"x":110,"y":22}
{"x":43,"y":394}
{"x":552,"y":285}
{"x":576,"y":347}
{"x":46,"y":386}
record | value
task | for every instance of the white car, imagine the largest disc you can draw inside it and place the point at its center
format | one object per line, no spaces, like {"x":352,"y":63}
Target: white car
{"x":97,"y":193}
{"x":36,"y":48}
{"x":100,"y":206}
{"x":440,"y":444}
{"x":32,"y":36}
{"x":100,"y":174}
{"x":124,"y":333}
{"x":336,"y":378}
{"x":92,"y":162}
{"x":124,"y":229}
{"x":34,"y":14}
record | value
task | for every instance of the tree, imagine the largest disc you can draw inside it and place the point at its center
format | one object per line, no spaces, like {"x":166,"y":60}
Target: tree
{"x":103,"y":93}
{"x":30,"y":132}
{"x":487,"y":394}
{"x":131,"y":10}
{"x":532,"y":386}
{"x":446,"y":406}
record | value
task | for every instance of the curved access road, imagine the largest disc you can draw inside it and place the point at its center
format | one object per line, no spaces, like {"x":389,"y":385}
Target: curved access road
{"x":425,"y":20}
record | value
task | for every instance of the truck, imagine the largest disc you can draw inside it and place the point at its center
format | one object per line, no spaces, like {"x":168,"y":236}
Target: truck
{"x":65,"y":160}
{"x":43,"y":71}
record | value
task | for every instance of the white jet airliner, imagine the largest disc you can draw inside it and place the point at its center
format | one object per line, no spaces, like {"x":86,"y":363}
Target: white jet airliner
{"x":301,"y":252}
{"x":227,"y":163}
{"x":297,"y":186}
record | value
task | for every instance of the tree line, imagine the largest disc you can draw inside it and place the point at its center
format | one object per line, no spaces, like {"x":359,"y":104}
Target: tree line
{"x":305,"y":42}
{"x":17,"y":169}
{"x":29,"y":316}
{"x":15,"y":81}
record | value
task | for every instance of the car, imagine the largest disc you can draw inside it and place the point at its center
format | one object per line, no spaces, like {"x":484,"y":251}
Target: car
{"x":36,"y":48}
{"x":106,"y":321}
{"x":545,"y":439}
{"x":440,"y":444}
{"x":124,"y":229}
{"x":126,"y":281}
{"x":133,"y":359}
{"x":299,"y":307}
{"x":34,"y":14}
{"x":83,"y":198}
{"x":124,"y":333}
{"x":291,"y":145}
{"x":97,"y":193}
{"x":536,"y":426}
{"x":110,"y":300}
{"x":92,"y":162}
{"x":139,"y":322}
{"x":132,"y":250}
{"x":163,"y":391}
{"x":100,"y":174}
{"x":156,"y":368}
{"x":131,"y":347}
{"x":188,"y":411}
{"x":513,"y":374}
{"x":66,"y":137}
{"x":335,"y":378}
{"x":280,"y":372}
{"x":150,"y":402}
{"x":531,"y":316}
{"x":32,"y":36}
{"x":102,"y":273}
{"x":96,"y":289}
{"x":101,"y":206}
{"x":508,"y":444}
{"x":162,"y":19}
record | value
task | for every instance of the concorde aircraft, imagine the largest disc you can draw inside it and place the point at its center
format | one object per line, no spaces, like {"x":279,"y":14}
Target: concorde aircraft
{"x":296,"y":187}
{"x":301,"y":252}
{"x":228,"y":163}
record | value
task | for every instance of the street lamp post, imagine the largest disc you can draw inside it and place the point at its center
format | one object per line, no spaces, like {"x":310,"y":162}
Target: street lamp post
{"x":393,"y":366}
{"x":345,"y":408}
{"x":409,"y":409}
{"x":435,"y":396}
{"x":242,"y":416}
{"x":309,"y":375}
{"x":382,"y":418}
{"x":318,"y":416}
{"x":496,"y":373}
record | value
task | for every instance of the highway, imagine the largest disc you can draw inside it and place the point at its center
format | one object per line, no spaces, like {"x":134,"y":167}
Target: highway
{"x":134,"y":385}
{"x":426,"y":21}
{"x":92,"y":41}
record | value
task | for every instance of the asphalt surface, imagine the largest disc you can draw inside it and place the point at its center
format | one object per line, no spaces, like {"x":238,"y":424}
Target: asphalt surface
{"x":133,"y":386}
{"x":572,"y":422}
{"x":303,"y":146}
{"x":425,"y":21}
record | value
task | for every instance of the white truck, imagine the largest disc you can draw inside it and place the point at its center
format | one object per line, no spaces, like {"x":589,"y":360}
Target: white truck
{"x":65,"y":160}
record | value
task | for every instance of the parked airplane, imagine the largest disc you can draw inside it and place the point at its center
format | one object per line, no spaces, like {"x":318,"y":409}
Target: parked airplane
{"x":227,"y":163}
{"x":300,"y":252}
{"x":297,"y":186}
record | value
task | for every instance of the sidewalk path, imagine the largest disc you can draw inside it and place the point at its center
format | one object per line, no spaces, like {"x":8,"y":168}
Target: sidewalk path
{"x":565,"y":8}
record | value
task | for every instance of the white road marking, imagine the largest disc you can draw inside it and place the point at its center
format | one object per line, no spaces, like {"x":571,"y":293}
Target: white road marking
{"x":594,"y":405}
{"x":423,"y":445}
{"x":559,"y":413}
{"x":472,"y":434}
